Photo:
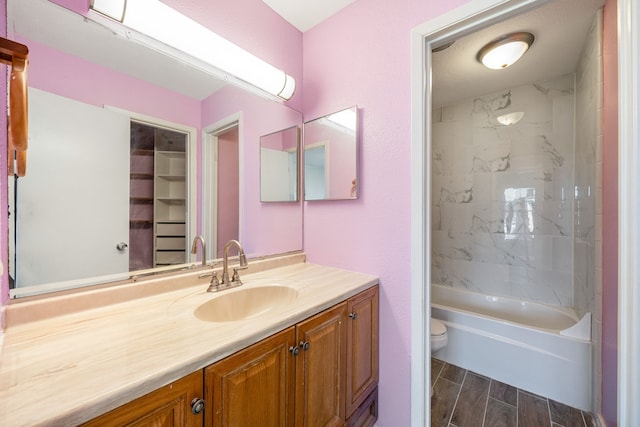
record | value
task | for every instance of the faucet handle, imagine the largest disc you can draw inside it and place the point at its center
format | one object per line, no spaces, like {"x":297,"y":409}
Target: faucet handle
{"x":207,"y":274}
{"x":214,"y":285}
{"x":236,"y":277}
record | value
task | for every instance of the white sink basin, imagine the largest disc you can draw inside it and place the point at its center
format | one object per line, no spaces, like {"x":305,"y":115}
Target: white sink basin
{"x":243,"y":303}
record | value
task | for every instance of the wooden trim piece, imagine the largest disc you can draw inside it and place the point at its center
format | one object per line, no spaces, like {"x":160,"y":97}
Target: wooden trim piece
{"x":16,"y":55}
{"x":10,"y":49}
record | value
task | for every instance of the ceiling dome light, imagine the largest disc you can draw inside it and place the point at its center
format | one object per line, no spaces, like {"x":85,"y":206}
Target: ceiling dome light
{"x":511,"y":118}
{"x":505,"y":51}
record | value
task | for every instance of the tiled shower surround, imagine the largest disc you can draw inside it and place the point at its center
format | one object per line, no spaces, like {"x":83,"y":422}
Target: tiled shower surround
{"x":503,"y":195}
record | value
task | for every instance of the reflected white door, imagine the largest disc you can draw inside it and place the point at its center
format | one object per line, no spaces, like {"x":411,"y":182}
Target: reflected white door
{"x":73,"y":203}
{"x":275,"y":181}
{"x":315,"y":172}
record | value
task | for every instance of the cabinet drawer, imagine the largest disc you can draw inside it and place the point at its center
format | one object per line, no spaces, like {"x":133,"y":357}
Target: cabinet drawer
{"x":164,"y":243}
{"x":170,"y":257}
{"x":170,"y":229}
{"x":367,"y":414}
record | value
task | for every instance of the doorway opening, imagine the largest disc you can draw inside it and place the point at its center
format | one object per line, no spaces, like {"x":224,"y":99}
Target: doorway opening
{"x":221,"y":186}
{"x":157,"y":197}
{"x":472,"y":17}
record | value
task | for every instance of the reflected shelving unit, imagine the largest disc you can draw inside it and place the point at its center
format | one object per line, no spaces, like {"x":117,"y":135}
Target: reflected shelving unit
{"x":158,"y":202}
{"x":170,"y":199}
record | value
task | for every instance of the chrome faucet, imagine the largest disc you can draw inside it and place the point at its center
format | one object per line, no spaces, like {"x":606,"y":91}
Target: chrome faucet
{"x":194,"y":248}
{"x":235,"y":279}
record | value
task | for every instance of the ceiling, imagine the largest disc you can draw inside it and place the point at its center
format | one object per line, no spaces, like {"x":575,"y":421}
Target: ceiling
{"x":560,"y":28}
{"x":306,"y":14}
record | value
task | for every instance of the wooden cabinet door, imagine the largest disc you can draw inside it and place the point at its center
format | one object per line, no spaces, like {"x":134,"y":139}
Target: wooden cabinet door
{"x":320,"y":369}
{"x":362,"y":348}
{"x":169,"y":406}
{"x":254,"y":387}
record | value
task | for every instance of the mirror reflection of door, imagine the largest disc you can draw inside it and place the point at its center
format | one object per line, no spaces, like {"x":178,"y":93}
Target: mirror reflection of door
{"x":221,"y":188}
{"x":315,"y":172}
{"x":70,"y":184}
{"x":109,"y":200}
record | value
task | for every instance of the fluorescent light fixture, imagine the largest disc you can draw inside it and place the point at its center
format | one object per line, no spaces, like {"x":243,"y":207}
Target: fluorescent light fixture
{"x":154,"y":19}
{"x":511,"y":118}
{"x":505,"y":51}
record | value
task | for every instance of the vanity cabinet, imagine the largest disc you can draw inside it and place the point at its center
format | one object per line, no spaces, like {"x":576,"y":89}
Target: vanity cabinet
{"x":169,"y":406}
{"x":253,"y":387}
{"x":321,"y":372}
{"x":320,"y":369}
{"x":362,"y":358}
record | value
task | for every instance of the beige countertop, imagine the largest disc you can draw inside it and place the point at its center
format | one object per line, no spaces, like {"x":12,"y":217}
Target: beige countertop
{"x":70,"y":368}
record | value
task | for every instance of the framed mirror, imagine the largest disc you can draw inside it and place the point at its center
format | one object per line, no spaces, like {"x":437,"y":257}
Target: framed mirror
{"x":279,"y":171}
{"x":331,"y":156}
{"x":163,"y":119}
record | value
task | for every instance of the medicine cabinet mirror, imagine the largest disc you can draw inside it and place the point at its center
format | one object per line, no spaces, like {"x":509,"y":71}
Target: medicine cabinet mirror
{"x":279,"y":154}
{"x":331,"y":156}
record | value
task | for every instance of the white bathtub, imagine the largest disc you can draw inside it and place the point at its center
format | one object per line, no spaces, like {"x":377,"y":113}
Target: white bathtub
{"x":535,"y":347}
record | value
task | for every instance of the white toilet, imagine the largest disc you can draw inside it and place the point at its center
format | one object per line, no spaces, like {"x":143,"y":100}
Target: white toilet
{"x":438,"y":335}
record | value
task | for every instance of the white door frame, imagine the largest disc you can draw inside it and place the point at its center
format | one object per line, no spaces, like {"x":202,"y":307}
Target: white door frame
{"x":210,"y":177}
{"x":628,"y":213}
{"x":192,"y":178}
{"x":466,"y":18}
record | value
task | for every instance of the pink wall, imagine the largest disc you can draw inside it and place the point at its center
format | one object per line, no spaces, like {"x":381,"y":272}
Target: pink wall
{"x":610,"y":217}
{"x":362,"y":56}
{"x":75,"y":78}
{"x":281,"y":140}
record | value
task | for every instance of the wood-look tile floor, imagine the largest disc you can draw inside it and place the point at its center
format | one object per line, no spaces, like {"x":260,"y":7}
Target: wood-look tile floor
{"x":463,"y":398}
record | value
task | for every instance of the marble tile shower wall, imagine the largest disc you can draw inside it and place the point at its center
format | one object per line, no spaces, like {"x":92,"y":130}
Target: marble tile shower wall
{"x":587,"y":264}
{"x":503,"y":195}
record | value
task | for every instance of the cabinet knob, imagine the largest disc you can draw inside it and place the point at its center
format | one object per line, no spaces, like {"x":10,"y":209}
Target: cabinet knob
{"x":294,"y":350}
{"x":353,"y":316}
{"x":197,"y":405}
{"x":121,"y":246}
{"x":304,"y":345}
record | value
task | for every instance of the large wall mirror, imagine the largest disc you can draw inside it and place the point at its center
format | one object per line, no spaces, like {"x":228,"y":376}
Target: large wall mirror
{"x":279,"y":169}
{"x":126,"y":162}
{"x":331,"y":156}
